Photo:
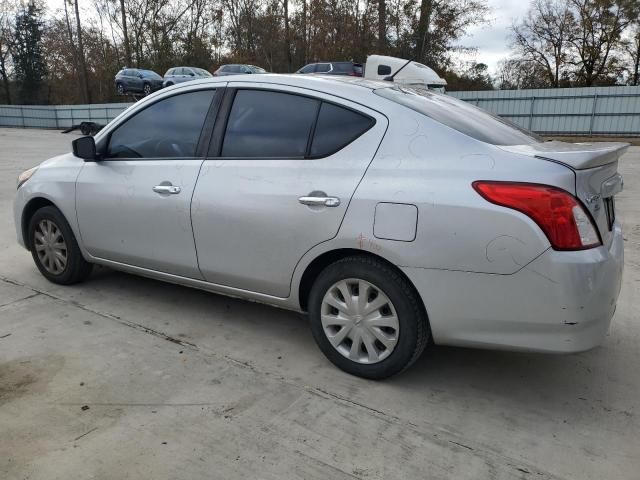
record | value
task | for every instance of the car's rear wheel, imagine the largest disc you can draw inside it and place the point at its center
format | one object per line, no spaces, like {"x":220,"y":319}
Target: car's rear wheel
{"x":147,"y":89}
{"x":120,"y":89}
{"x":367,"y":318}
{"x":54,"y":248}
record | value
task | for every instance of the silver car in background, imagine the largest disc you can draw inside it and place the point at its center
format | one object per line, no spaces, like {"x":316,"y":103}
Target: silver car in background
{"x":396,"y":218}
{"x":184,"y":74}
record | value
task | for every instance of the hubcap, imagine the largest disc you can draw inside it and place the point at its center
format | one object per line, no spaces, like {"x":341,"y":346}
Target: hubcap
{"x":360,"y":321}
{"x":50,"y":247}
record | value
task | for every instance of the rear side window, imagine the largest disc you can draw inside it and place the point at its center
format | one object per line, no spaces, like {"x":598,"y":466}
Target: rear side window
{"x":336,"y":128}
{"x":342,"y":67}
{"x":461,"y":116}
{"x":170,"y":128}
{"x":323,"y":68}
{"x":269,"y":124}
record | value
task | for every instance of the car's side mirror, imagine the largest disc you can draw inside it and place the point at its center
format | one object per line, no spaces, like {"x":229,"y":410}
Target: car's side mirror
{"x":248,"y":71}
{"x":192,"y":74}
{"x":384,"y":70}
{"x":140,"y":75}
{"x":85,"y":148}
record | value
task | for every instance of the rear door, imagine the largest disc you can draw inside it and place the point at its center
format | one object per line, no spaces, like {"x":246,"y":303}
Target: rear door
{"x":278,"y":182}
{"x":133,"y":207}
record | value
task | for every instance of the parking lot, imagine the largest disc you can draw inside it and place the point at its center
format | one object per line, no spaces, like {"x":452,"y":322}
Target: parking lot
{"x":125,"y":377}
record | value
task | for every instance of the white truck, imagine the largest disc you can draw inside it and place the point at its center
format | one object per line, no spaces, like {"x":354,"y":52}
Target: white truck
{"x":403,"y":72}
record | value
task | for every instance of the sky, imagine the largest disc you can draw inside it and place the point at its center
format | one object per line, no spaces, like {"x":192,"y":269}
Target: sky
{"x":492,"y":40}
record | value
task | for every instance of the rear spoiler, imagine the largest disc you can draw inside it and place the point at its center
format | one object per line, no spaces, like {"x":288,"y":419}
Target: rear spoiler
{"x":579,"y":156}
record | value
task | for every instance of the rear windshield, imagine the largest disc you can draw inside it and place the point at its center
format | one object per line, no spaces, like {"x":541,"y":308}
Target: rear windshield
{"x":461,"y":116}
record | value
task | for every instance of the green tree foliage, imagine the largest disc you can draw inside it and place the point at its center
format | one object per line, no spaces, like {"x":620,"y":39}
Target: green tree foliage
{"x":28,"y":58}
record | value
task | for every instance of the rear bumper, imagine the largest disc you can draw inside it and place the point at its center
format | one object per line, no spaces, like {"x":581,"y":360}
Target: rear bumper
{"x":560,"y":302}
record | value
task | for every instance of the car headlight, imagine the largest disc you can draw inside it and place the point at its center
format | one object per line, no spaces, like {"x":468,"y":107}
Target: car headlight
{"x":26,"y":175}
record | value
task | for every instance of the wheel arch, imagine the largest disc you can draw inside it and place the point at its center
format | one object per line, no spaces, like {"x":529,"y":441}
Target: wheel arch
{"x":28,"y":211}
{"x":322,"y":261}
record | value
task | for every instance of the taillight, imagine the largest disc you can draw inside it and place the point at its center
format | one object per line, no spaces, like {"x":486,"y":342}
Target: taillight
{"x":558,"y":213}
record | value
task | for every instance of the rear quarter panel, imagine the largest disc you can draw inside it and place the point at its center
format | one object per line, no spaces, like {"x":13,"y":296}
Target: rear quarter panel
{"x":423,"y":163}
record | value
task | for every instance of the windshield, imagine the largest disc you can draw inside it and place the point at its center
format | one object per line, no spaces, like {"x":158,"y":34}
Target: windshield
{"x":461,"y":116}
{"x":150,"y":74}
{"x":201,"y":72}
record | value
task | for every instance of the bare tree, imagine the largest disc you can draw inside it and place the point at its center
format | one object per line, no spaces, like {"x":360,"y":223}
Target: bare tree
{"x":83,"y":64}
{"x":382,"y":25}
{"x":7,"y":36}
{"x":633,"y":51}
{"x":125,"y":34}
{"x":543,"y":37}
{"x":597,"y":37}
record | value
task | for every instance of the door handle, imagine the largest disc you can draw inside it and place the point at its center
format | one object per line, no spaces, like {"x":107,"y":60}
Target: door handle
{"x":320,"y":201}
{"x":167,"y":189}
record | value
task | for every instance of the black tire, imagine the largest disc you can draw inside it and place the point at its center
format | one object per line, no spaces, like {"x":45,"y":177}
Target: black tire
{"x":120,"y":89}
{"x":414,"y":332}
{"x":146,"y":89}
{"x":77,"y":269}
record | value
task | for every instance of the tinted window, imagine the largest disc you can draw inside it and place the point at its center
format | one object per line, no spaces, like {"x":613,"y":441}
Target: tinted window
{"x":323,"y":68}
{"x":461,"y":116}
{"x":269,"y":124}
{"x":232,"y":69}
{"x":336,"y":128}
{"x":342,"y":67}
{"x":168,"y":128}
{"x":384,"y":70}
{"x":308,"y":69}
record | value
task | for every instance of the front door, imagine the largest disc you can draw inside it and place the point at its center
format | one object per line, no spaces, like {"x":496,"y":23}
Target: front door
{"x":134,"y":205}
{"x":287,"y":165}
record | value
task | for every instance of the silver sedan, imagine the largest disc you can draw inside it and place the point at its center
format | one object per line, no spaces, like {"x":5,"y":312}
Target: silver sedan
{"x":395,"y":218}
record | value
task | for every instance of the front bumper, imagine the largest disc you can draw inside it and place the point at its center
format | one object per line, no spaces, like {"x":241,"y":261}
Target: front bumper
{"x":560,"y":302}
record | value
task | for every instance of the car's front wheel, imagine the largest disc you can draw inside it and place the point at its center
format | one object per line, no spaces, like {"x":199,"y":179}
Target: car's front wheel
{"x":120,"y":89}
{"x":147,"y":89}
{"x":367,"y":318}
{"x":54,"y":248}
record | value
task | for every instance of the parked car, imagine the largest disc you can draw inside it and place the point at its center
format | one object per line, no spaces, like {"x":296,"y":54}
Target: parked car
{"x":334,"y":68}
{"x":237,"y":69}
{"x":184,"y":74}
{"x":136,"y":80}
{"x":396,"y":218}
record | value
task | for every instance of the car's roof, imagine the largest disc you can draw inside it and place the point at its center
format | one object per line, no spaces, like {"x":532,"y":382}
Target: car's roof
{"x":322,"y":83}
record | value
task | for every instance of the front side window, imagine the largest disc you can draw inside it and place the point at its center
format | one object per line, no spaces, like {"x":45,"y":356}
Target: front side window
{"x":336,"y":128}
{"x":170,"y":128}
{"x":323,"y":68}
{"x":269,"y":124}
{"x":461,"y":116}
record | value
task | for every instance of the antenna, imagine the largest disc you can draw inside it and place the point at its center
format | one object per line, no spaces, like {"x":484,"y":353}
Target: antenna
{"x":390,"y":77}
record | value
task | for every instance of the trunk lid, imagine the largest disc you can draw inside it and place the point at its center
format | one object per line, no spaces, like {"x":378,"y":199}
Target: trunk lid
{"x":596,"y":169}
